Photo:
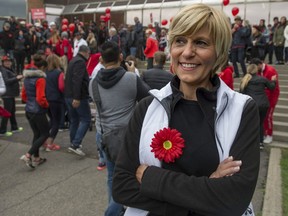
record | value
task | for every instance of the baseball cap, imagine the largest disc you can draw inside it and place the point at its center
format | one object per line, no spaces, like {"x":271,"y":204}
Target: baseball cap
{"x":6,"y":58}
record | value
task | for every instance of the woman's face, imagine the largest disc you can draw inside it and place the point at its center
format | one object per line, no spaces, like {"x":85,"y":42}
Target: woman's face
{"x":7,"y":64}
{"x":193,"y":58}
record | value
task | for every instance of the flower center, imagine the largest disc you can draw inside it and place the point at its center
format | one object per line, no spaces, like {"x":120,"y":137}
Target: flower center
{"x":167,"y":145}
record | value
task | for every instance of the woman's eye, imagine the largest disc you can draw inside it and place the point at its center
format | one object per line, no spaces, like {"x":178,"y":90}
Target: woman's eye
{"x":180,"y":40}
{"x":201,"y":43}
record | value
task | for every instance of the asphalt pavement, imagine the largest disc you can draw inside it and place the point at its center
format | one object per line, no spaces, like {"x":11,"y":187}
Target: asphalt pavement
{"x":66,"y":184}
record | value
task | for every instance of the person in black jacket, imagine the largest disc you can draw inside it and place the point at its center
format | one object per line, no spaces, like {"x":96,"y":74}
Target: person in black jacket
{"x":7,"y":40}
{"x":187,"y":150}
{"x":11,"y":80}
{"x":21,"y":44}
{"x":77,"y":99}
{"x":254,"y":86}
{"x":157,"y":77}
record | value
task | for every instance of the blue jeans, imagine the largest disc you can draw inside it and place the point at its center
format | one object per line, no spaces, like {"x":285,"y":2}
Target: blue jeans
{"x":133,"y":51}
{"x":101,"y":154}
{"x":80,"y":119}
{"x":113,"y":209}
{"x":238,"y":55}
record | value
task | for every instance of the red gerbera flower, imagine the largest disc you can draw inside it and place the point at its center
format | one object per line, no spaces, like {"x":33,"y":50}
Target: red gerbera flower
{"x":167,"y":144}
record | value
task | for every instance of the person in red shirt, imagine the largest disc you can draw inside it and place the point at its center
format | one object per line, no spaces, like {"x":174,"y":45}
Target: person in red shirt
{"x":33,"y":94}
{"x":268,"y":71}
{"x":226,"y":75}
{"x":64,"y":47}
{"x":151,"y":47}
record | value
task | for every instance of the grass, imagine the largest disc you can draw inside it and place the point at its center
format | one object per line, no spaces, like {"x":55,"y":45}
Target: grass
{"x":284,"y":172}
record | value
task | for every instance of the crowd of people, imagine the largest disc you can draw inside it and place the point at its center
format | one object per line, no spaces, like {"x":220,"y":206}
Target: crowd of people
{"x":177,"y":124}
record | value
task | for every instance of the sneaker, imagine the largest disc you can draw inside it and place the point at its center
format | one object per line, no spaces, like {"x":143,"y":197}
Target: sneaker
{"x":27,"y":161}
{"x":268,"y":139}
{"x":52,"y":147}
{"x":261,"y":146}
{"x":76,"y":150}
{"x":17,"y":130}
{"x":101,"y":166}
{"x":39,"y":161}
{"x":7,"y":134}
{"x":63,"y":129}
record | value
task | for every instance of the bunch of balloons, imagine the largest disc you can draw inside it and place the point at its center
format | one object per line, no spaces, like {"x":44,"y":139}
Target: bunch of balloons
{"x":235,"y":10}
{"x":107,"y":16}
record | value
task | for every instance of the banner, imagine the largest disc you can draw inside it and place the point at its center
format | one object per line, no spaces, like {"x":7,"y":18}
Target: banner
{"x":38,"y":13}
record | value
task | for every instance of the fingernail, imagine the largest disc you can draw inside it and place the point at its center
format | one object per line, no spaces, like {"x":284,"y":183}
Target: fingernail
{"x":239,"y":162}
{"x":237,"y":168}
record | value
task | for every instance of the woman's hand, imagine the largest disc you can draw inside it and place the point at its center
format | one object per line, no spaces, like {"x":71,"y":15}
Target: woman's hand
{"x":140,"y":171}
{"x":228,"y":167}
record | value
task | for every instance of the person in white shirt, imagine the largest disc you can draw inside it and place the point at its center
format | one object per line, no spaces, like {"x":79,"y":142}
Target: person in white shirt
{"x":79,"y":41}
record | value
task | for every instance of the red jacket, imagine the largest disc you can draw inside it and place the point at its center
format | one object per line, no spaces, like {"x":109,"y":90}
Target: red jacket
{"x":151,"y":47}
{"x":92,"y":62}
{"x":268,"y":72}
{"x":227,"y":76}
{"x":63,"y":47}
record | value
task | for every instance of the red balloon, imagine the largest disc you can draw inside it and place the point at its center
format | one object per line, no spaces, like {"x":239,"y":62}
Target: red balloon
{"x":107,"y":10}
{"x":226,"y":2}
{"x":164,"y":22}
{"x":64,"y":28}
{"x":65,"y":21}
{"x":108,"y":16}
{"x":106,"y":19}
{"x":235,"y":11}
{"x":71,"y":27}
{"x":102,"y":18}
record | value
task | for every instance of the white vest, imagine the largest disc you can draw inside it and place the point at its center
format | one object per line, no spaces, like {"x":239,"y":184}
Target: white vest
{"x":156,"y":118}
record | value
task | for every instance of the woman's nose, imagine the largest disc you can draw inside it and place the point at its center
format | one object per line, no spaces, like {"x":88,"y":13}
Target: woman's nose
{"x":189,"y":50}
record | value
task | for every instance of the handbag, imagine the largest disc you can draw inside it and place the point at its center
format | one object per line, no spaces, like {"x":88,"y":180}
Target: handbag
{"x":112,"y":140}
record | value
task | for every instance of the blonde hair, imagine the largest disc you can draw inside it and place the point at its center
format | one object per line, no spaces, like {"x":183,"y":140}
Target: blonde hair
{"x":251,"y":70}
{"x":64,"y":63}
{"x":53,"y":62}
{"x":191,"y":19}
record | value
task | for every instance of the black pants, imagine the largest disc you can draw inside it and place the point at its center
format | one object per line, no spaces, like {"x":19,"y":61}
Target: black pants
{"x":9,"y":105}
{"x":40,"y":127}
{"x":149,"y":63}
{"x":279,"y":51}
{"x":19,"y":57}
{"x":55,"y":114}
{"x":270,"y":53}
{"x":262,"y":115}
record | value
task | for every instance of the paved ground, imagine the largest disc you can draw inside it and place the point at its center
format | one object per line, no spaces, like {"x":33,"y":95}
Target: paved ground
{"x":66,"y":184}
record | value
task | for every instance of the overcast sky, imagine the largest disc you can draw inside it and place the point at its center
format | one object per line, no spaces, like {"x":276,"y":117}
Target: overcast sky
{"x":13,"y":8}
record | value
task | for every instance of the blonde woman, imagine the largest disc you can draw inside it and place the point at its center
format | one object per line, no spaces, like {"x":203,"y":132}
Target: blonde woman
{"x":92,"y":42}
{"x":55,"y":98}
{"x":187,"y":150}
{"x":254,"y":86}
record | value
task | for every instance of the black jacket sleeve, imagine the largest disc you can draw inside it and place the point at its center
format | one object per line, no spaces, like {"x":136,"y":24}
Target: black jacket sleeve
{"x":79,"y":71}
{"x":166,"y":192}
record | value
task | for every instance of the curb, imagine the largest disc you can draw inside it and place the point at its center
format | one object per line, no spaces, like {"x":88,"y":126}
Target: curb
{"x":272,"y":205}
